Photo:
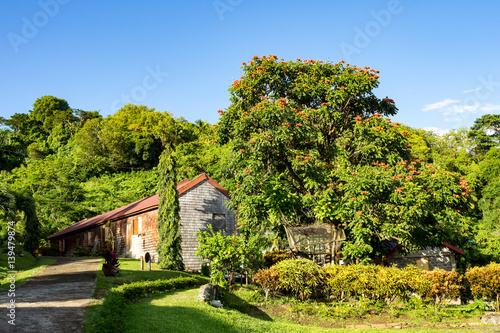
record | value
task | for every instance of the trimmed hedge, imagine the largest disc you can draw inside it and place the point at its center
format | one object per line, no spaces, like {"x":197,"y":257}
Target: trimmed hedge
{"x":305,"y":279}
{"x":485,"y":282}
{"x":115,"y":300}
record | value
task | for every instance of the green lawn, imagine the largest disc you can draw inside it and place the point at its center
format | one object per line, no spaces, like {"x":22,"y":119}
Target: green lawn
{"x":182,"y":312}
{"x":26,"y":266}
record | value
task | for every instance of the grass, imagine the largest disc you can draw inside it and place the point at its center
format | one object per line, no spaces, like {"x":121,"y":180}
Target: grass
{"x":26,"y":266}
{"x":130,"y":271}
{"x":245,"y":311}
{"x":182,"y":312}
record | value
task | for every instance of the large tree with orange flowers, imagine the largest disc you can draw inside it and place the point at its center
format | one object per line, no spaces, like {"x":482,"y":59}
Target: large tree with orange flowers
{"x":314,"y":145}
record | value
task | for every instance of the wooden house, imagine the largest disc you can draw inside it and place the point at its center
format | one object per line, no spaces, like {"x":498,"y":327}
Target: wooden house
{"x":202,"y":203}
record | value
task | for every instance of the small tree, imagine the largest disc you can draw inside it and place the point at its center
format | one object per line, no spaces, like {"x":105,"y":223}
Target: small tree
{"x":169,"y":221}
{"x":229,"y":254}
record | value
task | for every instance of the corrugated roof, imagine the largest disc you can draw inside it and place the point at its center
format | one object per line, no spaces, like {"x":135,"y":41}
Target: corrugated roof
{"x":133,"y":208}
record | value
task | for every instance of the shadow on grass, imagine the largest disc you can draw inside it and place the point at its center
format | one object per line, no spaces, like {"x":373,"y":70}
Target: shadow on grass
{"x":234,"y":302}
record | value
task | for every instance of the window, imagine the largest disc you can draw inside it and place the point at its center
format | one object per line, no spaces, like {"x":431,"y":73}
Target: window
{"x":219,"y":222}
{"x":423,"y":264}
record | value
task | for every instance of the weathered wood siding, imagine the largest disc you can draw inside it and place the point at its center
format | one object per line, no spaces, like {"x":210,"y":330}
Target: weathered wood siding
{"x":439,"y":257}
{"x":199,"y":206}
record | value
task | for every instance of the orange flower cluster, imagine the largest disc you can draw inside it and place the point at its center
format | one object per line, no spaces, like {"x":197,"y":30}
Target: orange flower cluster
{"x":282,"y":102}
{"x":405,"y":134}
{"x":236,"y":84}
{"x":378,"y":128}
{"x":220,"y":112}
{"x":246,"y":171}
{"x":353,"y":199}
{"x":253,"y":141}
{"x":388,"y":100}
{"x":298,"y":125}
{"x":377,"y":115}
{"x":359,"y":213}
{"x":354,"y":173}
{"x":329,"y":184}
{"x":342,"y":88}
{"x":364,"y":192}
{"x":241,"y":150}
{"x":399,"y":190}
{"x":286,"y":124}
{"x":244,"y":114}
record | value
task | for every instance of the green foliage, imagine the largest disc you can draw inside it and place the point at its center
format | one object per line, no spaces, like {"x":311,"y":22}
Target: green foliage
{"x":301,"y":277}
{"x":444,"y":285}
{"x":82,"y":251}
{"x":169,"y":228}
{"x":229,"y":254}
{"x":485,"y":282}
{"x":486,"y":133}
{"x":272,"y":257}
{"x":17,"y":211}
{"x":376,"y":283}
{"x":311,"y":145}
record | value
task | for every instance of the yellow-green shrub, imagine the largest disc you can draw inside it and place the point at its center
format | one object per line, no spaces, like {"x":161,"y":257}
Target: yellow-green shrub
{"x":485,"y":282}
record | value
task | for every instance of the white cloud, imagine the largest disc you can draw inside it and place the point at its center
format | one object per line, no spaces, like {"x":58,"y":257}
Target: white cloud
{"x":471,"y":90}
{"x":457,"y":111}
{"x":436,"y":130}
{"x":440,"y":105}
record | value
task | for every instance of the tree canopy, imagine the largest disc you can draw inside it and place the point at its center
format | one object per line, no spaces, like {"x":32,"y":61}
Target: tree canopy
{"x":313,"y":146}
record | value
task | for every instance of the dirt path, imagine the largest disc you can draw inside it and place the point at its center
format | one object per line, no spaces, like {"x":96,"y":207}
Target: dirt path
{"x":54,"y":299}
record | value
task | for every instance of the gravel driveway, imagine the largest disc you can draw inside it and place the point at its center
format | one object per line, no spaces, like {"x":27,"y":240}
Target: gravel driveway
{"x":54,"y":300}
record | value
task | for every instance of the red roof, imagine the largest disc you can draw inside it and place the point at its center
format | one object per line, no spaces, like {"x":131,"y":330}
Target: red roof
{"x":133,"y":208}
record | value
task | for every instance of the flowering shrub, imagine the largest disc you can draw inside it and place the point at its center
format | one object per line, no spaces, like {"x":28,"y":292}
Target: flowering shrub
{"x":82,"y":251}
{"x":111,"y":258}
{"x":485,"y":282}
{"x":46,"y":250}
{"x":102,"y":248}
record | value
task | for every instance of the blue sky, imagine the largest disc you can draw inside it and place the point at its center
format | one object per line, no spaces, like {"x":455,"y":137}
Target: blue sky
{"x":437,"y":60}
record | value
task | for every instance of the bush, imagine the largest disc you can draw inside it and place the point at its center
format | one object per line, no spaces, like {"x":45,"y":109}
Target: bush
{"x":102,"y":248}
{"x":273,"y":257}
{"x":443,"y":285}
{"x":46,"y":250}
{"x":268,"y":279}
{"x":485,"y":282}
{"x":82,"y":251}
{"x":301,"y":277}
